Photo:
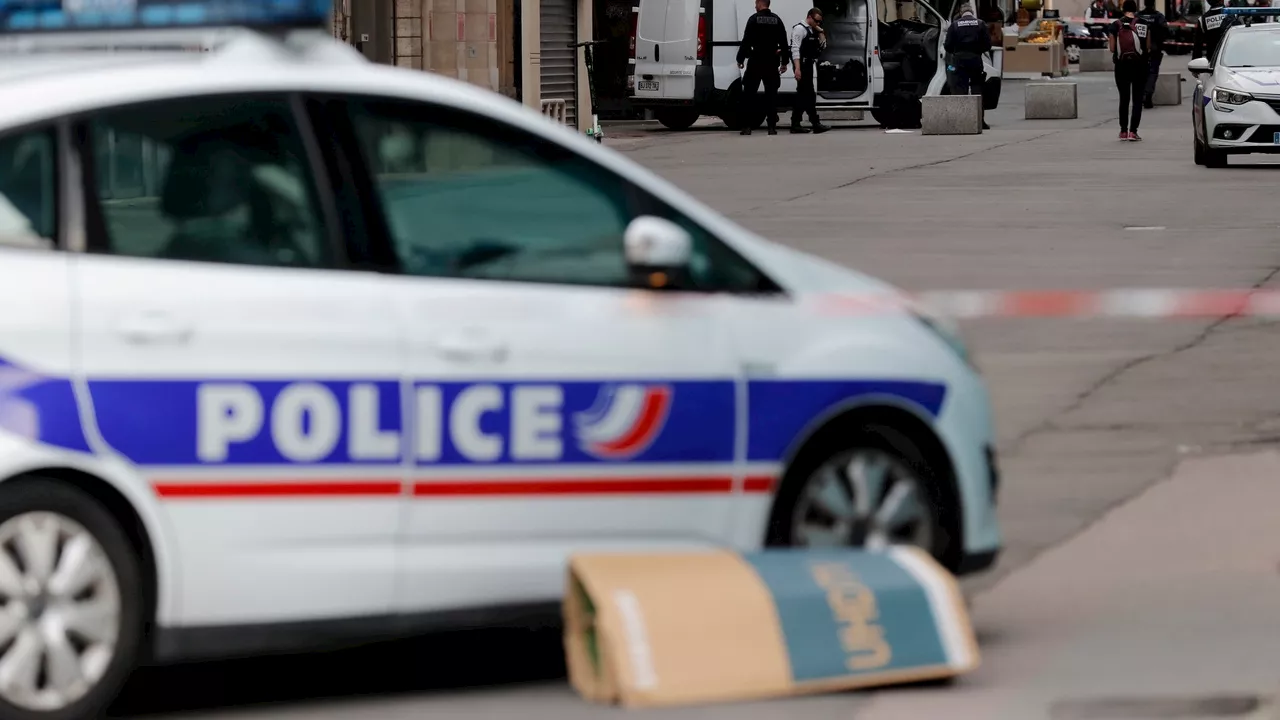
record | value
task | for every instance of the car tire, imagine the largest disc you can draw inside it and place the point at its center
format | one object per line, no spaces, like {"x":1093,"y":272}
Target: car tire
{"x":677,"y":118}
{"x":100,"y":620}
{"x":825,"y":473}
{"x":1214,"y":158}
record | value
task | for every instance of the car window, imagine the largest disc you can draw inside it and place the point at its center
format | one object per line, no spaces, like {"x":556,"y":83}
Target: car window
{"x":895,"y":10}
{"x":468,"y":197}
{"x":220,"y":179}
{"x":465,"y":197}
{"x":28,"y":188}
{"x":1252,"y":49}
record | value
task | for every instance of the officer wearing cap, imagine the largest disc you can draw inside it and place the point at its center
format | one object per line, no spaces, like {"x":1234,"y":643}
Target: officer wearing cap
{"x":967,"y":41}
{"x":1209,"y":30}
{"x":767,"y":52}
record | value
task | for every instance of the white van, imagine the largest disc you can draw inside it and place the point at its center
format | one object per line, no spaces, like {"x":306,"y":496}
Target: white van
{"x":684,"y":64}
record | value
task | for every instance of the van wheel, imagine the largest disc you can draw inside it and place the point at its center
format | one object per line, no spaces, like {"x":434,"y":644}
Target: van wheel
{"x":677,"y":118}
{"x":902,"y":114}
{"x":71,"y":603}
{"x":865,"y":486}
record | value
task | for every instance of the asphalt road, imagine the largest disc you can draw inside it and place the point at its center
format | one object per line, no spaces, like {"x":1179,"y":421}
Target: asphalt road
{"x":1090,"y":413}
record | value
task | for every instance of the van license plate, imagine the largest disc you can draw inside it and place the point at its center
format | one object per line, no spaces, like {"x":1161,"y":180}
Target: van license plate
{"x":647,"y":85}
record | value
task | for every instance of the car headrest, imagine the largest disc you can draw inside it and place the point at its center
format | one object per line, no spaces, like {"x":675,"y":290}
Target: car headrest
{"x":206,"y":179}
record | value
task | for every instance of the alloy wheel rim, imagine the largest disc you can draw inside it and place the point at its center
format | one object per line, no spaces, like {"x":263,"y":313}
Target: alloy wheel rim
{"x":865,"y":498}
{"x":59,"y":611}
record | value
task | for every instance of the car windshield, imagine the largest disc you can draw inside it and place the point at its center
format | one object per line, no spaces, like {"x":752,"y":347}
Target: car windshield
{"x":1252,"y":49}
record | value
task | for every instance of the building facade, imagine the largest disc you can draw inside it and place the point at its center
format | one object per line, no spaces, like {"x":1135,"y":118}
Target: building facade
{"x":519,"y":48}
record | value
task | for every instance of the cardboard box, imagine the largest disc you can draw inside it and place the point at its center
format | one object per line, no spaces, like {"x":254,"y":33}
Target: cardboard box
{"x":686,"y":628}
{"x":1039,"y":58}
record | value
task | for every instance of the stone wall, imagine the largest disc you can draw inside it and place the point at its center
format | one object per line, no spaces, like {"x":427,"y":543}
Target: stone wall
{"x":456,"y":38}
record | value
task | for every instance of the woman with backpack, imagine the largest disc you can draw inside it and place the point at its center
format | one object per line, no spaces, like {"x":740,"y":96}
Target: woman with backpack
{"x":1130,"y":40}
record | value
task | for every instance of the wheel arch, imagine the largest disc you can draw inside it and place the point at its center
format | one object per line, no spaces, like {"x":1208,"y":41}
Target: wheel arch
{"x":131,"y":523}
{"x":896,"y":414}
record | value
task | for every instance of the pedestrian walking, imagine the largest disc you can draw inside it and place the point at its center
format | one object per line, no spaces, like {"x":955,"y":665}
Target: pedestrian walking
{"x":967,"y":41}
{"x":1158,"y":29}
{"x":1209,"y":30}
{"x":1097,"y":11}
{"x":1130,"y":42}
{"x":767,"y":53}
{"x":807,"y":42}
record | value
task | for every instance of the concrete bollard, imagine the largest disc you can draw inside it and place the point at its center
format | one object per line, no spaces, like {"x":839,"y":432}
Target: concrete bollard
{"x":951,"y":115}
{"x":1095,"y":60}
{"x":1051,"y":101}
{"x":1168,"y":89}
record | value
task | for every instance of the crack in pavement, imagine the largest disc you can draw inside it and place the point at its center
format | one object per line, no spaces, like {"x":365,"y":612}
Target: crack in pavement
{"x":1050,"y":424}
{"x":1033,"y":551}
{"x":918,"y":166}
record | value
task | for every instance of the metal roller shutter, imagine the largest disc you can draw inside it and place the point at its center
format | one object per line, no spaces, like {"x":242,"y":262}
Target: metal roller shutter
{"x":559,"y":61}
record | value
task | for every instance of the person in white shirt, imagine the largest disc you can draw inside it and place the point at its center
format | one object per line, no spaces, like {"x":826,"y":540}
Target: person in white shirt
{"x":807,"y":43}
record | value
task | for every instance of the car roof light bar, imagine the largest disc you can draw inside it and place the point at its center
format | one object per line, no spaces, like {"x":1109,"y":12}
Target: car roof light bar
{"x":38,"y":17}
{"x":1249,"y":14}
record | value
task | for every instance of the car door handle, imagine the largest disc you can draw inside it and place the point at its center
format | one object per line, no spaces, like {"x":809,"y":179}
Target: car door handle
{"x":470,"y":348}
{"x":153,"y":329}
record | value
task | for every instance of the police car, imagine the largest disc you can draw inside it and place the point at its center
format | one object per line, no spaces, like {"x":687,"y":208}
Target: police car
{"x":1235,"y":107}
{"x":298,"y":349}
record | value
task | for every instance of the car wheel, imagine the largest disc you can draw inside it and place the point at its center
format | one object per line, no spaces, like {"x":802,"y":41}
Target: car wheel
{"x":1073,"y":53}
{"x":1214,"y":158}
{"x":677,"y":118}
{"x":1198,"y":153}
{"x":866,"y":486}
{"x":71,"y":603}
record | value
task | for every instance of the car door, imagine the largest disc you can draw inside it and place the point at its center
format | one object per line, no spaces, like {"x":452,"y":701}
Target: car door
{"x":557,"y":408}
{"x":668,"y":36}
{"x":240,"y":368}
{"x":37,"y":405}
{"x":846,"y":71}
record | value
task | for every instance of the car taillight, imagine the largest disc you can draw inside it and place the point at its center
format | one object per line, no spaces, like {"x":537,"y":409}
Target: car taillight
{"x":702,"y":37}
{"x":635,"y":21}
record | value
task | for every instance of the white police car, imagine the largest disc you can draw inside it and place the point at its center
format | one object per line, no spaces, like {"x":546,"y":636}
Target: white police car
{"x":297,"y":349}
{"x":1235,"y":107}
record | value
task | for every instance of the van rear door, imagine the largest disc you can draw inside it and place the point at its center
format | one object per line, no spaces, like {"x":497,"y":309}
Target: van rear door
{"x":667,"y":36}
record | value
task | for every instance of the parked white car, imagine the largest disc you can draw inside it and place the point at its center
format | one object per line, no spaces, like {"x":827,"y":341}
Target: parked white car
{"x":298,"y":349}
{"x":1235,"y":108}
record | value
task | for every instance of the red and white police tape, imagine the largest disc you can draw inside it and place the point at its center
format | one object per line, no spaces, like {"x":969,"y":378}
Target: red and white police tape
{"x":1116,"y":303}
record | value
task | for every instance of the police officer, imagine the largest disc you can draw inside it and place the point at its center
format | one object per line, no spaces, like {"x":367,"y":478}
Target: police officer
{"x":766,"y":52}
{"x":1158,"y":28}
{"x":1097,"y":11}
{"x":967,"y":41}
{"x":807,"y":43}
{"x":1209,"y":29}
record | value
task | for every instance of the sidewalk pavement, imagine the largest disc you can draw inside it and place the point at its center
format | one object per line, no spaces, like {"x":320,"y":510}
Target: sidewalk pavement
{"x":1169,"y":606}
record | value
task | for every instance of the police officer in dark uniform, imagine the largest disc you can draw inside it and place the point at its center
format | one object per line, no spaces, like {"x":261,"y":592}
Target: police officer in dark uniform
{"x":807,"y":42}
{"x":1209,"y":30}
{"x":967,"y":41}
{"x":1158,"y":27}
{"x":766,"y":51}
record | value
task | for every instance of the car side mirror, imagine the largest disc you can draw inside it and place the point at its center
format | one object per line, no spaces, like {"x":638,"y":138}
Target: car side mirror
{"x":1199,"y":66}
{"x":658,"y":252}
